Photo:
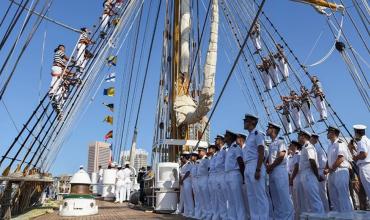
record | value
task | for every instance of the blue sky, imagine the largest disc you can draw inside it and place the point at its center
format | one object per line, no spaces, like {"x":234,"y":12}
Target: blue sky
{"x":300,"y":24}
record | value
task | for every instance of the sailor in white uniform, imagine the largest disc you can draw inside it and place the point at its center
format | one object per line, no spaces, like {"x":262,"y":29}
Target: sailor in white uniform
{"x":278,"y":175}
{"x":295,"y":180}
{"x":127,"y":182}
{"x":241,"y":138}
{"x":285,"y":114}
{"x":306,"y":107}
{"x":256,"y":37}
{"x":265,"y":75}
{"x":222,"y":188}
{"x":186,"y":188}
{"x":296,"y":110}
{"x":338,"y":169}
{"x":282,"y":61}
{"x":322,"y":159}
{"x":100,"y":180}
{"x":194,"y":183}
{"x":120,"y":184}
{"x":255,"y":171}
{"x":202,"y":172}
{"x":274,"y":71}
{"x":319,"y":95}
{"x":212,"y":184}
{"x":234,"y":168}
{"x":362,"y":156}
{"x":309,"y":173}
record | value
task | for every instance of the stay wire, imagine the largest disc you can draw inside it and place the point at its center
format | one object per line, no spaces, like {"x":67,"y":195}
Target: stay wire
{"x":231,"y":71}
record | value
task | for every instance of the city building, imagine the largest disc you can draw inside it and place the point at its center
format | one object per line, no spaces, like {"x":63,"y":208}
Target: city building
{"x":99,"y":154}
{"x":141,"y":158}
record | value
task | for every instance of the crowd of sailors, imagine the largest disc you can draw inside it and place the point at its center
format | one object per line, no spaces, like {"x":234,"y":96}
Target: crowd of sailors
{"x":258,"y":176}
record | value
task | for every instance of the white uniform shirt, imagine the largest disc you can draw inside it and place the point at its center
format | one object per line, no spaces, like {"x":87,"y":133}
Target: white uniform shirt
{"x":364,"y":146}
{"x":127,"y":173}
{"x":220,"y":160}
{"x":290,"y":163}
{"x":120,"y":176}
{"x":276,"y":147}
{"x":255,"y":138}
{"x":337,"y":148}
{"x":203,"y":166}
{"x":308,"y":152}
{"x":212,"y":163}
{"x":194,"y":169}
{"x":231,"y":163}
{"x":321,"y":156}
{"x":101,"y":171}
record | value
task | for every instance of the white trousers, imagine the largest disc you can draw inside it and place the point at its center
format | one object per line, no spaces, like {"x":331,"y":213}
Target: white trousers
{"x":257,"y":42}
{"x":274,"y":74}
{"x":311,"y":193}
{"x":307,"y":114}
{"x":212,"y":188}
{"x":197,"y":207}
{"x":204,"y":197}
{"x":180,"y":205}
{"x":323,"y":191}
{"x":55,"y":86}
{"x":296,"y":116}
{"x":297,"y":195}
{"x":188,"y":198}
{"x":365,"y":177}
{"x":80,"y":54}
{"x":266,"y":80}
{"x":338,"y":187}
{"x":321,"y":107}
{"x":235,"y":209}
{"x":104,"y":22}
{"x":283,"y":68}
{"x":221,"y":196}
{"x":119,"y":191}
{"x":126,"y":191}
{"x":256,"y":191}
{"x":286,"y":123}
{"x":279,"y":191}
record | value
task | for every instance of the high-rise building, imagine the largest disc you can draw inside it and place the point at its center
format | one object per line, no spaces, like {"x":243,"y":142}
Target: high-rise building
{"x":99,"y":153}
{"x":141,"y":158}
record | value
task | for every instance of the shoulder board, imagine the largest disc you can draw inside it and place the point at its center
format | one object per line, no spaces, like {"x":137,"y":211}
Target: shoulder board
{"x":340,"y":141}
{"x":256,"y":132}
{"x":206,"y":158}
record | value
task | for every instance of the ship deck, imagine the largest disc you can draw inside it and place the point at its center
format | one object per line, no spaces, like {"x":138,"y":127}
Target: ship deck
{"x":112,"y":211}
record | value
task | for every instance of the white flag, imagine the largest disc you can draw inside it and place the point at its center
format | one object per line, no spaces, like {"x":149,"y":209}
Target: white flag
{"x":111,"y":77}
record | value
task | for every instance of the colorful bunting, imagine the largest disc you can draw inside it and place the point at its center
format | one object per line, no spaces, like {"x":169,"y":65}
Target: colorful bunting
{"x":109,"y":91}
{"x":108,"y":135}
{"x":109,"y":119}
{"x":112,"y":60}
{"x":111,"y":77}
{"x":110,"y":106}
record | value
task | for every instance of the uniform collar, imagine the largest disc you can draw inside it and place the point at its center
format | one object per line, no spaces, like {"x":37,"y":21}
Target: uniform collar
{"x":251,"y":132}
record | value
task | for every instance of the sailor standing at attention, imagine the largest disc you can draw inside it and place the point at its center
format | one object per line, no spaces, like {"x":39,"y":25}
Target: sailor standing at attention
{"x":322,"y":159}
{"x":234,"y":169}
{"x":194,"y":184}
{"x":338,"y":169}
{"x":295,"y":180}
{"x":185,"y":182}
{"x":362,"y":156}
{"x":203,"y":168}
{"x":212,"y":184}
{"x":222,"y":189}
{"x":278,"y":175}
{"x":119,"y":184}
{"x":255,"y":172}
{"x":240,"y":140}
{"x":309,"y":173}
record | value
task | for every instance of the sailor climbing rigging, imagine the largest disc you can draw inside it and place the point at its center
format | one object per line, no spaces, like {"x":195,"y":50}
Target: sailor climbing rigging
{"x":83,"y":42}
{"x":319,"y":96}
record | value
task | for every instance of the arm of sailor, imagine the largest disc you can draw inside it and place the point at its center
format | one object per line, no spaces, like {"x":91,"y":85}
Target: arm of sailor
{"x":260,"y":142}
{"x":279,"y":158}
{"x":362,"y":151}
{"x":315,"y":170}
{"x":241,"y":166}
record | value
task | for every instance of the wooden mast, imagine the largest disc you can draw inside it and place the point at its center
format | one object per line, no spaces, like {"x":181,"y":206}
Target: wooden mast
{"x":179,"y":82}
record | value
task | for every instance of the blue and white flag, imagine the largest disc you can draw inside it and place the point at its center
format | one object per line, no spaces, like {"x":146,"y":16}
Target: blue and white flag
{"x":111,"y":77}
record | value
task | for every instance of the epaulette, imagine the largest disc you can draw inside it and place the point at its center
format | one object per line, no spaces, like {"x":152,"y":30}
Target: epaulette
{"x":256,"y":132}
{"x":340,"y":141}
